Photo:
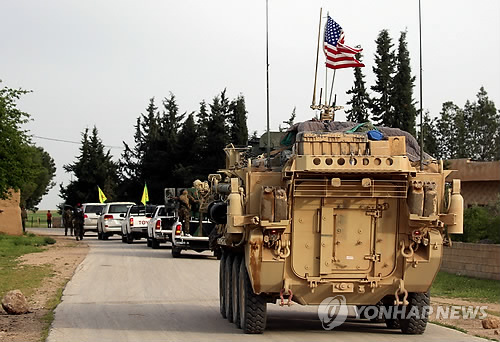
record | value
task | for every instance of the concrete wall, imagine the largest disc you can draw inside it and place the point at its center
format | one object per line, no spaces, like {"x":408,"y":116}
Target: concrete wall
{"x":472,"y":259}
{"x":10,"y":217}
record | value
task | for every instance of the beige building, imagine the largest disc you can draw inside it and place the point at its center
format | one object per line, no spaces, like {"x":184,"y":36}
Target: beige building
{"x":480,"y":180}
{"x":10,"y":215}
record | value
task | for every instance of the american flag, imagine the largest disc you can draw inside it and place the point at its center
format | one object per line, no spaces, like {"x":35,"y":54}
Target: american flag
{"x":338,"y":55}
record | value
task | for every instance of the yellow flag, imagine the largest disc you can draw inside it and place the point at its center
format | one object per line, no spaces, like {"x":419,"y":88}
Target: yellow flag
{"x":102,"y":197}
{"x":145,"y":196}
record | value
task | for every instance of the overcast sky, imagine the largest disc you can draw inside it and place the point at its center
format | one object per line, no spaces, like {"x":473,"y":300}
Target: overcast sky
{"x":99,"y":62}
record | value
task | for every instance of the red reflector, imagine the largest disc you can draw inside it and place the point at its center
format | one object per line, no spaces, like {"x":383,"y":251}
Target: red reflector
{"x":108,"y":217}
{"x":85,"y":216}
{"x":178,"y":229}
{"x":131,"y":221}
{"x":158,"y":224}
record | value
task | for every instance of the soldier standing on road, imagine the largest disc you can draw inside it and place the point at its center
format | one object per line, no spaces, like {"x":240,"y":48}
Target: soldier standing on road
{"x":67,"y":218}
{"x":78,"y":222}
{"x":185,"y":211}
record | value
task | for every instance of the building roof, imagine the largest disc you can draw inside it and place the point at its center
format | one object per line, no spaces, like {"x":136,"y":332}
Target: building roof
{"x":468,"y":170}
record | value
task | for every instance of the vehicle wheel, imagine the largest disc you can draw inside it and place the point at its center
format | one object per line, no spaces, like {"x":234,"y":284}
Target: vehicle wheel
{"x":176,"y":252}
{"x":218,"y":253}
{"x":235,"y":273}
{"x":105,"y":236}
{"x":99,"y":235}
{"x":392,"y":323}
{"x":253,"y":308}
{"x":130,"y":238}
{"x":155,"y":244}
{"x":222,"y":282}
{"x":228,"y":288}
{"x":416,"y":323}
{"x":149,"y":242}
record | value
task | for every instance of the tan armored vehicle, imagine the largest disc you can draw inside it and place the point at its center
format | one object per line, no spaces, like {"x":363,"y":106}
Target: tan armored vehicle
{"x":342,"y":215}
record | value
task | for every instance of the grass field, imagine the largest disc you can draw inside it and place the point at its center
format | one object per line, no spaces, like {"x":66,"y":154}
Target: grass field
{"x":23,"y":277}
{"x":39,"y":219}
{"x":454,"y":286}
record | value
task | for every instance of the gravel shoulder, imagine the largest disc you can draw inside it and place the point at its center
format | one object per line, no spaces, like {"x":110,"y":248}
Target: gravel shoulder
{"x":63,"y":257}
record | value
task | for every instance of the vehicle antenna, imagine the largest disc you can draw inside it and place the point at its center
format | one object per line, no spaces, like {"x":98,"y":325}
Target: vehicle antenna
{"x":317,"y":57}
{"x":421,"y":110}
{"x":331,"y":88}
{"x":267,"y":92}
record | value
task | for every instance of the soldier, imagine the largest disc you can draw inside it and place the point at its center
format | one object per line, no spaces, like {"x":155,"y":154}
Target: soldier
{"x":67,"y":218}
{"x":24,"y":216}
{"x":78,"y":222}
{"x":185,"y":210}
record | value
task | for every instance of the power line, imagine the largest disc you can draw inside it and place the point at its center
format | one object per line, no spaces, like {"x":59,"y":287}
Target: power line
{"x":70,"y":142}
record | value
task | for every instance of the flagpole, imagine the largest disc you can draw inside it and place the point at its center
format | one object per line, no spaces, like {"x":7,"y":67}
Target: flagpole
{"x":317,"y":58}
{"x":421,"y":106}
{"x":331,"y":88}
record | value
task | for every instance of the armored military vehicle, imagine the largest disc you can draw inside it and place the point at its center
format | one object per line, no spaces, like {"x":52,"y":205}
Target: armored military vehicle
{"x":336,"y":214}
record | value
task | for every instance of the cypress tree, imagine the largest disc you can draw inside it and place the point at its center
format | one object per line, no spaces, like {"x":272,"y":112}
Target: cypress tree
{"x":360,"y":100}
{"x":382,"y":109}
{"x":404,"y":111}
{"x":238,"y":130}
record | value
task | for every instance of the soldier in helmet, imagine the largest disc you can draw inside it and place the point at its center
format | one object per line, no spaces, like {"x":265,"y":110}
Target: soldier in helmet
{"x":185,"y":210}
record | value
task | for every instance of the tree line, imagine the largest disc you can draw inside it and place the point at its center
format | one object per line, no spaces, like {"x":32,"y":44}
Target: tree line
{"x":170,"y":149}
{"x":471,"y":131}
{"x":23,"y":165}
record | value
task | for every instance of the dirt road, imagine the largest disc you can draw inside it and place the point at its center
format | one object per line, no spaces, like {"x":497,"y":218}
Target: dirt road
{"x":124,"y":292}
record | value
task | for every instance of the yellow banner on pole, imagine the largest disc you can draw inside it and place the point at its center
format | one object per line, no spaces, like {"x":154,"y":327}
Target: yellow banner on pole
{"x":102,"y":197}
{"x":145,"y":195}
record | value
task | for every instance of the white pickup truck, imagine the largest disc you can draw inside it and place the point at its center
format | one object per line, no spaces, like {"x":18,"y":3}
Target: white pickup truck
{"x":196,"y":241}
{"x":135,"y":222}
{"x":160,"y":226}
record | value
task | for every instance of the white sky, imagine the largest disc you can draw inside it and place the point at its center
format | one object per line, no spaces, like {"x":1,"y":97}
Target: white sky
{"x":98,"y":62}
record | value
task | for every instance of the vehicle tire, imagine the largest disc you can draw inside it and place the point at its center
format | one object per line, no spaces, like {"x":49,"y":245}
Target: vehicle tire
{"x":222,"y":283}
{"x":130,"y":238}
{"x":105,"y":236}
{"x":176,"y":252}
{"x":416,"y":325}
{"x":235,"y":273}
{"x":253,"y":308}
{"x":228,"y":288}
{"x":155,"y":244}
{"x":149,"y":242}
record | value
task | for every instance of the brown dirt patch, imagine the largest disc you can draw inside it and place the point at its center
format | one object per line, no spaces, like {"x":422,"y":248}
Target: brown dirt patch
{"x":472,"y":326}
{"x":63,"y":257}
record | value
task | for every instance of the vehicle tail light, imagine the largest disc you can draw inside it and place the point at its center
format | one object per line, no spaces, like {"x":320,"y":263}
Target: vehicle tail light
{"x":85,"y":216}
{"x":178,"y":229}
{"x":131,"y":220}
{"x":158,"y":225}
{"x":108,"y":217}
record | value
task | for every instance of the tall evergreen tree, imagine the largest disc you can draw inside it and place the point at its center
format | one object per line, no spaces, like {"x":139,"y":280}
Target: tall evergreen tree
{"x":93,"y":167}
{"x":189,"y":149}
{"x":382,"y":108}
{"x":238,"y":131}
{"x":360,"y":100}
{"x":217,"y":138}
{"x":404,"y":111}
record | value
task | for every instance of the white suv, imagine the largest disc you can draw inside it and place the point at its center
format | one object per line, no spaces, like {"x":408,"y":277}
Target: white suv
{"x":110,"y":219}
{"x":90,"y":211}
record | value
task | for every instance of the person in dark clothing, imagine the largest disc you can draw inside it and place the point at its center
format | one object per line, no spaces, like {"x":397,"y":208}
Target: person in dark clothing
{"x":78,"y":219}
{"x":49,"y":219}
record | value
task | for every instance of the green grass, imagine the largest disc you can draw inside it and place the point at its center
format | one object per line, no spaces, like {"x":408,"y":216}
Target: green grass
{"x":39,"y":219}
{"x":23,"y":277}
{"x":48,"y":318}
{"x":454,"y":286}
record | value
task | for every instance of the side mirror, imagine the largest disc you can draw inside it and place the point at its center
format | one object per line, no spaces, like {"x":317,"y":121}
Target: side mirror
{"x":98,"y":213}
{"x":122,"y":215}
{"x":149,"y":215}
